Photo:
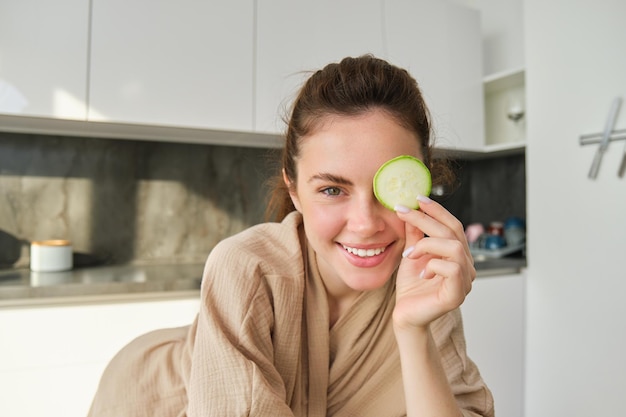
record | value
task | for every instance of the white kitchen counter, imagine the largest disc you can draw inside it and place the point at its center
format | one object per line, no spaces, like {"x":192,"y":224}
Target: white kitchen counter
{"x":22,"y":287}
{"x":499,"y":266}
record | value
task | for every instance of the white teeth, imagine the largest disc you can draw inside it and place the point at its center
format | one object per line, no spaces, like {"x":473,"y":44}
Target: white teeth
{"x":364,"y":253}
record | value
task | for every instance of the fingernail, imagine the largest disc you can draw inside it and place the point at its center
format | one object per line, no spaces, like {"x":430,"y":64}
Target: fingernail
{"x":401,"y":209}
{"x":407,"y":251}
{"x":424,"y":199}
{"x":422,"y":274}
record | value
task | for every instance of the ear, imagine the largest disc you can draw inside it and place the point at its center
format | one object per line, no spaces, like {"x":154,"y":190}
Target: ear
{"x":292,"y":191}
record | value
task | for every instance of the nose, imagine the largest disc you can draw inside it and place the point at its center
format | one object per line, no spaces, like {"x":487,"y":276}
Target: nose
{"x":366,"y":216}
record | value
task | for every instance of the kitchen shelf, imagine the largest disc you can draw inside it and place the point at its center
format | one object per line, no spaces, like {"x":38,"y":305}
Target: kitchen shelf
{"x":504,"y":97}
{"x":488,"y":151}
{"x":504,"y":80}
{"x":128,"y":131}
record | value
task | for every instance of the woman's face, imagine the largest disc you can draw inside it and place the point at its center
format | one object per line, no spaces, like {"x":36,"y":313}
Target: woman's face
{"x":358,"y":242}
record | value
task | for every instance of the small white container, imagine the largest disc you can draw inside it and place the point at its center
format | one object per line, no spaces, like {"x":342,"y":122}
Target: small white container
{"x":51,"y":256}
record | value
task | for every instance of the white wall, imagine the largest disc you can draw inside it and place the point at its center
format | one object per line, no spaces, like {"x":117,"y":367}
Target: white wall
{"x":575,"y":64}
{"x":576,"y":283}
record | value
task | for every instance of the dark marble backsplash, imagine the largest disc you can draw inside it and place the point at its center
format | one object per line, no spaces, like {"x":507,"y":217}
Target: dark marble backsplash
{"x":139,"y":202}
{"x":488,"y":190}
{"x":129,"y":201}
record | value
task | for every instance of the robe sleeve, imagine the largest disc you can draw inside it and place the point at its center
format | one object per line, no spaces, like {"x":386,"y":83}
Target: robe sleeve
{"x":233,"y":371}
{"x":471,"y":392}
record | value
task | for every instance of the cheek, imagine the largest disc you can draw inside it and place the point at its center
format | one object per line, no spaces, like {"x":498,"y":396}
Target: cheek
{"x":397,"y":225}
{"x":325,"y":222}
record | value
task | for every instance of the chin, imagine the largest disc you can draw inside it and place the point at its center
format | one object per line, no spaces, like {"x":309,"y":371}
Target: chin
{"x":372,"y":280}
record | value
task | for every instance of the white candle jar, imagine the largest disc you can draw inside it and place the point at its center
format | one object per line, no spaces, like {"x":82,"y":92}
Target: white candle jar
{"x":51,"y":256}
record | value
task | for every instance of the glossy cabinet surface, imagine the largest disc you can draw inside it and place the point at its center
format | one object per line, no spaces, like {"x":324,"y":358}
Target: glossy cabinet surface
{"x":43,"y":58}
{"x":184,"y":63}
{"x":493,"y":319}
{"x":295,"y":38}
{"x":124,"y":68}
{"x":440,"y":44}
{"x":53,"y":357}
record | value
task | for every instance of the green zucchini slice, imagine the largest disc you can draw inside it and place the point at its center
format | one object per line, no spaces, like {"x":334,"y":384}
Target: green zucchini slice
{"x":400,"y":180}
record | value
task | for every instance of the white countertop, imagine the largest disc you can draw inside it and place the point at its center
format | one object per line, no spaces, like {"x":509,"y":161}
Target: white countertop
{"x":23,"y":287}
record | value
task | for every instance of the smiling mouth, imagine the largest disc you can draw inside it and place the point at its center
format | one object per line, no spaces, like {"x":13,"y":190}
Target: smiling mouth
{"x":364,"y":253}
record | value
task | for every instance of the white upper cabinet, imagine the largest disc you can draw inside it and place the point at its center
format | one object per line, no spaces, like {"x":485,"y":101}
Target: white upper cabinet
{"x":43,"y":58}
{"x":223,"y":71}
{"x":440,"y":44}
{"x":177,"y":63}
{"x":295,"y":37}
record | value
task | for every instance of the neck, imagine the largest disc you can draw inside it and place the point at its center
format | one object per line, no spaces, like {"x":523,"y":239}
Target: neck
{"x":337,"y":306}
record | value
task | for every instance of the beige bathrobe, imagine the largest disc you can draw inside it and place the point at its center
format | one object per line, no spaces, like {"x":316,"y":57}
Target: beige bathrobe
{"x":261,"y":346}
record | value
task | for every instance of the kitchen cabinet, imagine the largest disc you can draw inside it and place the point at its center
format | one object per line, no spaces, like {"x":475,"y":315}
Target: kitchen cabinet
{"x":503,"y":33}
{"x":43,"y":48}
{"x":53,"y":357}
{"x":504,"y":98}
{"x":184,"y":63}
{"x":493,"y":319}
{"x":294,"y":38}
{"x":438,"y":42}
{"x":225,"y":72}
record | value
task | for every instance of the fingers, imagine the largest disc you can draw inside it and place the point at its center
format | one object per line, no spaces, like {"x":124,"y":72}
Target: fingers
{"x":457,"y":283}
{"x":412,"y":235}
{"x":437,"y":267}
{"x":434,"y":220}
{"x":439,"y":216}
{"x":438,"y":270}
{"x":445,"y":248}
{"x":447,"y":258}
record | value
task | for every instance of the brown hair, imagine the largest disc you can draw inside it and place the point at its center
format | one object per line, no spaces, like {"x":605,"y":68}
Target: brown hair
{"x":347,"y":88}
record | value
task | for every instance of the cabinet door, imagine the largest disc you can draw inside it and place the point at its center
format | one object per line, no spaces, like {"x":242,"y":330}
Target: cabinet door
{"x":493,"y":319}
{"x":295,"y":37}
{"x":43,"y":58}
{"x":180,"y":63}
{"x":56,"y":355}
{"x":440,"y":44}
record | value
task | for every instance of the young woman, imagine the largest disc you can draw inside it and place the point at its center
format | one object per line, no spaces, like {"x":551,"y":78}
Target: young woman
{"x":343,"y":307}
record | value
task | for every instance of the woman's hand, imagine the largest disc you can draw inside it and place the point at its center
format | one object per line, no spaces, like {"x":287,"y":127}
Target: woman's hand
{"x":437,"y":271}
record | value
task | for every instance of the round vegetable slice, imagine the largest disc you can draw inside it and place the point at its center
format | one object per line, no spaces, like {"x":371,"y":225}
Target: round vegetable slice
{"x":400,"y":180}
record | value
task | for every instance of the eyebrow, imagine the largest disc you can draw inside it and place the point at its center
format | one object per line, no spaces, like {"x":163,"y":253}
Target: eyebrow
{"x":323,"y":176}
